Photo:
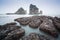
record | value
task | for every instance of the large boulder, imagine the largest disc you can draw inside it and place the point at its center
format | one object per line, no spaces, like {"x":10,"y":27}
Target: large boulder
{"x":15,"y":35}
{"x":42,"y":18}
{"x":7,"y":28}
{"x":35,"y":22}
{"x":56,"y":22}
{"x":35,"y":36}
{"x":23,"y":21}
{"x":48,"y":27}
{"x":33,"y":9}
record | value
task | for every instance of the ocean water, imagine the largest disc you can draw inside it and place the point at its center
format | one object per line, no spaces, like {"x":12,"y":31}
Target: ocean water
{"x":10,"y":18}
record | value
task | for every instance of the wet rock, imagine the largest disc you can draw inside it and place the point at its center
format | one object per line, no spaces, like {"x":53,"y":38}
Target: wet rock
{"x":20,"y":11}
{"x":12,"y":23}
{"x":3,"y":34}
{"x":8,"y":24}
{"x":46,"y":37}
{"x":35,"y":17}
{"x":23,"y":21}
{"x":45,"y":17}
{"x":35,"y":36}
{"x":48,"y":27}
{"x":35,"y":23}
{"x":33,"y":9}
{"x":15,"y":35}
{"x":31,"y":36}
{"x":6,"y":28}
{"x":57,"y":19}
{"x":56,"y":22}
{"x":42,"y":18}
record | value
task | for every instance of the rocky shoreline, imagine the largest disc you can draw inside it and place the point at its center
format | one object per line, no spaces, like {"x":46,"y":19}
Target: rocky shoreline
{"x":47,"y":24}
{"x":35,"y":36}
{"x":11,"y":31}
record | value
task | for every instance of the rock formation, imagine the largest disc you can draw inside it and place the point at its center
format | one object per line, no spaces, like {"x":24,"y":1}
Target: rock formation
{"x":56,"y":22}
{"x":35,"y":36}
{"x":23,"y":21}
{"x":33,"y":9}
{"x":47,"y":24}
{"x":20,"y":11}
{"x":11,"y":31}
{"x":44,"y":23}
{"x":48,"y":27}
{"x":35,"y":22}
{"x":15,"y":35}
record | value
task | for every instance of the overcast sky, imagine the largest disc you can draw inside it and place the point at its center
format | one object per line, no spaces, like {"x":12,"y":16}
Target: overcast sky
{"x":49,"y":7}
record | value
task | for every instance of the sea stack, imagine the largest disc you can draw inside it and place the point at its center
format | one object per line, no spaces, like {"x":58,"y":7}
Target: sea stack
{"x":33,"y":9}
{"x":20,"y":11}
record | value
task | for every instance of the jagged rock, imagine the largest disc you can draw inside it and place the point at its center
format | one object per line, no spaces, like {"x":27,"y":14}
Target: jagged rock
{"x":15,"y":35}
{"x":35,"y":36}
{"x":6,"y":28}
{"x":33,"y":9}
{"x":35,"y":22}
{"x":48,"y":27}
{"x":12,"y":23}
{"x":21,"y":11}
{"x":56,"y":22}
{"x":23,"y":21}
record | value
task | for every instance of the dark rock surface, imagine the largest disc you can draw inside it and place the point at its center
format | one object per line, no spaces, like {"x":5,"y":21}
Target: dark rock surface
{"x":48,"y":27}
{"x":12,"y":23}
{"x":23,"y":21}
{"x":15,"y":35}
{"x":56,"y":22}
{"x":33,"y":9}
{"x":35,"y":22}
{"x":7,"y":28}
{"x":34,"y":36}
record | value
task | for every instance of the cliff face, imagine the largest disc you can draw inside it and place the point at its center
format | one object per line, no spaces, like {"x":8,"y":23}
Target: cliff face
{"x":20,"y":11}
{"x":33,"y":9}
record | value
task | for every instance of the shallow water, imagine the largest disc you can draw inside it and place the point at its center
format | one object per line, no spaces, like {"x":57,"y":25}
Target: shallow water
{"x":10,"y":18}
